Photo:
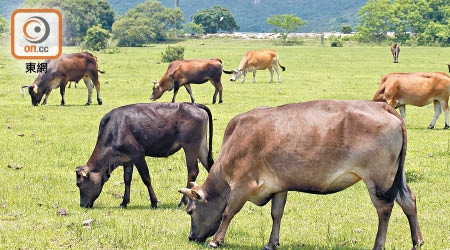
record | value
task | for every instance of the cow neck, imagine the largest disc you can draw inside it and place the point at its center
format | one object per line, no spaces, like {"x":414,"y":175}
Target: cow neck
{"x":216,"y":186}
{"x":102,"y":165}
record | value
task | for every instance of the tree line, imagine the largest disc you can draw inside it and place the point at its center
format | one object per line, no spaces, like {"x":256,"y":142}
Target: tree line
{"x":421,"y":22}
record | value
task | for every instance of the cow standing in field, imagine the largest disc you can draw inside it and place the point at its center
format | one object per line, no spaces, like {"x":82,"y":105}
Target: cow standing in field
{"x":129,"y":133}
{"x":71,"y":67}
{"x":184,"y":72}
{"x":318,"y":147}
{"x":257,"y":60}
{"x":395,"y":50}
{"x":418,"y":89}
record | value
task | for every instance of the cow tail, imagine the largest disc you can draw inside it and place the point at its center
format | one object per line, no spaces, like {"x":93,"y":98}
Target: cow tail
{"x":379,"y":95}
{"x":210,"y":119}
{"x":399,"y":187}
{"x":282,"y":67}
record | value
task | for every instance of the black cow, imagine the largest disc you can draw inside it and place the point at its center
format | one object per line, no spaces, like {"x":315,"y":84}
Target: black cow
{"x":127,"y":134}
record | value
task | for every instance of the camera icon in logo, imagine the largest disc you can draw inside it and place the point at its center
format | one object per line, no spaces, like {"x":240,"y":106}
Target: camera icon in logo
{"x":36,"y":34}
{"x":36,"y":29}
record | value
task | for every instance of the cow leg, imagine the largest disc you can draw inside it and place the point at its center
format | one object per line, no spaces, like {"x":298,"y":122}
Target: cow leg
{"x":70,"y":84}
{"x":271,"y":74}
{"x":236,"y":202}
{"x":384,"y":209}
{"x":446,"y":112}
{"x":175,"y":92}
{"x":97,"y":88}
{"x":408,"y":204}
{"x":278,"y":73}
{"x":188,"y":88}
{"x":245,"y":74}
{"x":218,"y":89}
{"x":254,"y":75}
{"x":403,"y":112}
{"x":192,"y":167}
{"x":278,"y":202}
{"x":62,"y":90}
{"x":89,"y":86}
{"x":437,"y":113}
{"x":127,"y":177}
{"x":142,"y":168}
{"x":46,"y":97}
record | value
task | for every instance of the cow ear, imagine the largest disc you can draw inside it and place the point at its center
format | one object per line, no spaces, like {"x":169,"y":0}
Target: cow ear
{"x":81,"y":171}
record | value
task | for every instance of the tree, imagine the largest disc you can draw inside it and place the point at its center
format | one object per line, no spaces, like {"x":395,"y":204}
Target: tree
{"x":3,"y":25}
{"x":193,"y":28}
{"x":78,"y":16}
{"x":96,"y":38}
{"x":216,"y":19}
{"x":374,"y":20}
{"x":346,"y":29}
{"x":147,"y":22}
{"x":286,"y":24}
{"x":105,"y":14}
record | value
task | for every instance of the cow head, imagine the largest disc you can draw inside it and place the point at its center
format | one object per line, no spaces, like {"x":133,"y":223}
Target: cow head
{"x":206,"y":212}
{"x":160,"y":87}
{"x":90,"y":185}
{"x":36,"y":94}
{"x":236,"y":74}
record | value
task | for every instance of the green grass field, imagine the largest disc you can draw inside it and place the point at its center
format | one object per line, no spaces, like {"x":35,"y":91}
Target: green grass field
{"x":50,"y":141}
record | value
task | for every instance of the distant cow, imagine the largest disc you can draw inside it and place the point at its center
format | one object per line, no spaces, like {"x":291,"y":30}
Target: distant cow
{"x":184,"y":72}
{"x":71,"y":67}
{"x":318,"y":147}
{"x":129,"y":133}
{"x":418,"y":89}
{"x":257,"y":60}
{"x":395,"y":50}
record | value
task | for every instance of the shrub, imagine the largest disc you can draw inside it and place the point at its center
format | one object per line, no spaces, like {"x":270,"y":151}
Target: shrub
{"x":346,"y":29}
{"x":172,"y":53}
{"x":336,"y":42}
{"x":96,"y":38}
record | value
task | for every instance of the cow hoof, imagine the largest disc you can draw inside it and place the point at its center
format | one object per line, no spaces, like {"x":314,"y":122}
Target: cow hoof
{"x":271,"y":246}
{"x":123,"y":205}
{"x":154,"y":205}
{"x":446,"y":126}
{"x":100,"y":102}
{"x":220,"y":101}
{"x":212,"y":245}
{"x":430,"y":127}
{"x":87,"y":104}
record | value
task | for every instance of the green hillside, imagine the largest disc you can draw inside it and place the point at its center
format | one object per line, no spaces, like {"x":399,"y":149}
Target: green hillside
{"x":251,"y":15}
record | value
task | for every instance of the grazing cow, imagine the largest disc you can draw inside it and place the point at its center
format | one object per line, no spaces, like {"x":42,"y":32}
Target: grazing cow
{"x":257,"y":60}
{"x":71,"y":67}
{"x":184,"y":72}
{"x":317,"y":147}
{"x":418,"y":89}
{"x":395,"y":50}
{"x":127,"y":134}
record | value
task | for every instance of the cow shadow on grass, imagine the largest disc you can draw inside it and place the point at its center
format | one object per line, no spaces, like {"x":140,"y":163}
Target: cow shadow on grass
{"x":300,"y":246}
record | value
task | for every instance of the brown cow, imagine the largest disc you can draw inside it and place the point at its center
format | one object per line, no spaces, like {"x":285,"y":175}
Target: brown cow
{"x":257,"y":60}
{"x":395,"y":50}
{"x":184,"y":72}
{"x":418,"y":89}
{"x":318,"y":147}
{"x":71,"y":67}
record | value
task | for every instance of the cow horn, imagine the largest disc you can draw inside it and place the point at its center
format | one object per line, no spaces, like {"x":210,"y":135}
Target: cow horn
{"x":193,"y":194}
{"x":35,"y":88}
{"x":192,"y":184}
{"x":228,"y":72}
{"x":22,"y":92}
